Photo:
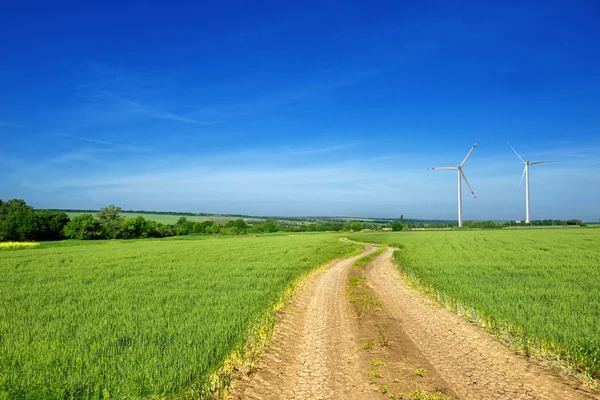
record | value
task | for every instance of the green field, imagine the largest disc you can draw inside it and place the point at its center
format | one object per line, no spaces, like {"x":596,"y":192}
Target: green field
{"x":169,"y":219}
{"x":222,"y":219}
{"x":538,"y":289}
{"x":140,"y":318}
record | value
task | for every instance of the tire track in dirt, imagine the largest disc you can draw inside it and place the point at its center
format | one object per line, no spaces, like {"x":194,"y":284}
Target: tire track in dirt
{"x":476,"y":365}
{"x":313,"y":355}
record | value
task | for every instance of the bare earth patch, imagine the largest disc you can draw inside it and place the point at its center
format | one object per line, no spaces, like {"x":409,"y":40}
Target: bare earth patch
{"x":323,"y":348}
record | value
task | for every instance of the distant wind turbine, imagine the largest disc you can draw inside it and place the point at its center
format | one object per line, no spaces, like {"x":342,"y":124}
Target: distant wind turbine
{"x":526,"y":175}
{"x":461,"y":176}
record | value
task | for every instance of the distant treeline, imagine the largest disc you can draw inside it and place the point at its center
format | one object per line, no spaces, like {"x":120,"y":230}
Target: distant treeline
{"x":323,"y":220}
{"x":20,"y":222}
{"x":69,"y":210}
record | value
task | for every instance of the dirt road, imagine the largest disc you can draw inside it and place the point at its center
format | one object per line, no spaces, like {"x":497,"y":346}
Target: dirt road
{"x":390,"y":340}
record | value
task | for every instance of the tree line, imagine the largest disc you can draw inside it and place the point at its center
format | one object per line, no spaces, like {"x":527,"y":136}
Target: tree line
{"x":20,"y":222}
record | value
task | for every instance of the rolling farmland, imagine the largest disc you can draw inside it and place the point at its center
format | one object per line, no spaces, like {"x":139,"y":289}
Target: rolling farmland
{"x":162,"y":218}
{"x":537,"y":289}
{"x":167,"y":218}
{"x":140,"y":318}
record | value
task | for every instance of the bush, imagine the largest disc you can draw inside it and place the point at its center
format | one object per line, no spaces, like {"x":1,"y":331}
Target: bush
{"x":20,"y":226}
{"x":51,"y":224}
{"x":397,"y":226}
{"x":239,"y":224}
{"x":184,"y":227}
{"x":356,"y":226}
{"x":164,"y":230}
{"x":84,"y":227}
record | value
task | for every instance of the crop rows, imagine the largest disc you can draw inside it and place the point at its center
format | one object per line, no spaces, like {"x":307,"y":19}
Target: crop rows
{"x":142,"y":318}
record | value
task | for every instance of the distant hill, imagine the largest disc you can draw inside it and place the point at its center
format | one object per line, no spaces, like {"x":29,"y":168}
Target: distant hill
{"x":170,"y":217}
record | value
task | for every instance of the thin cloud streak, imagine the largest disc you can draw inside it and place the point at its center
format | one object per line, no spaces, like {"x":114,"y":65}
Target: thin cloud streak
{"x":115,"y":146}
{"x":321,"y":149}
{"x":11,"y":125}
{"x":121,"y":90}
{"x":263,"y":102}
{"x":136,"y":107}
{"x":133,"y":94}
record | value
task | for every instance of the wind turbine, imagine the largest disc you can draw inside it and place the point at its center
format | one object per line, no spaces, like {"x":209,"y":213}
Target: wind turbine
{"x":461,"y":176}
{"x":526,"y":175}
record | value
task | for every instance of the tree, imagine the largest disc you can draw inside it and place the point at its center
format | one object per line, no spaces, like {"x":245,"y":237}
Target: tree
{"x":241,"y":225}
{"x":356,"y":226}
{"x":270,"y":226}
{"x":164,"y":230}
{"x":18,"y":221}
{"x":397,"y":226}
{"x":51,"y":224}
{"x":84,"y":226}
{"x":110,"y":220}
{"x":138,"y":227}
{"x":184,"y":227}
{"x":21,"y":225}
{"x":12,"y":206}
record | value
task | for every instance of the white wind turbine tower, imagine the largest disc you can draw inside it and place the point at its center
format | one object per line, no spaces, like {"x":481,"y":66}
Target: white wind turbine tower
{"x":461,"y":176}
{"x":526,"y":175}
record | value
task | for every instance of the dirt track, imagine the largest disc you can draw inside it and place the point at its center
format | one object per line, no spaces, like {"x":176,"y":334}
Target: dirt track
{"x":318,"y":349}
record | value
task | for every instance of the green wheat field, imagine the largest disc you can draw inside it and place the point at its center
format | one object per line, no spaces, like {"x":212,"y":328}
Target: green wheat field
{"x":538,"y":289}
{"x":139,"y":318}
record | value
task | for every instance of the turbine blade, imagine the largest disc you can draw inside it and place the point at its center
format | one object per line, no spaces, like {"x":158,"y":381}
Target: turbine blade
{"x":468,"y":155}
{"x":522,"y":176}
{"x":541,"y":162}
{"x":467,"y":182}
{"x":445,"y":168}
{"x":513,"y":149}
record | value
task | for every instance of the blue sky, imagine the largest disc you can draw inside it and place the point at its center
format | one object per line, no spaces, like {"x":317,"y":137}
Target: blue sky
{"x":301,"y":108}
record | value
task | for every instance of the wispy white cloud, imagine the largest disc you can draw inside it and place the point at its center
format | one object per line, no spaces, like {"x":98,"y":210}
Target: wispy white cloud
{"x":109,"y":93}
{"x":322,"y":149}
{"x":11,"y":125}
{"x":109,"y":144}
{"x":109,"y":89}
{"x":131,"y":106}
{"x":86,"y":155}
{"x":266,"y":99}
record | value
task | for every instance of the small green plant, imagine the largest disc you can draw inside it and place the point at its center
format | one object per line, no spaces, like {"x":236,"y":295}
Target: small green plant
{"x":383,"y":339}
{"x":419,"y":394}
{"x":420,"y":371}
{"x":396,"y":396}
{"x":363,"y":261}
{"x":374,"y":375}
{"x":355,"y":281}
{"x":384,"y":389}
{"x":368,"y":345}
{"x":377,"y":363}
